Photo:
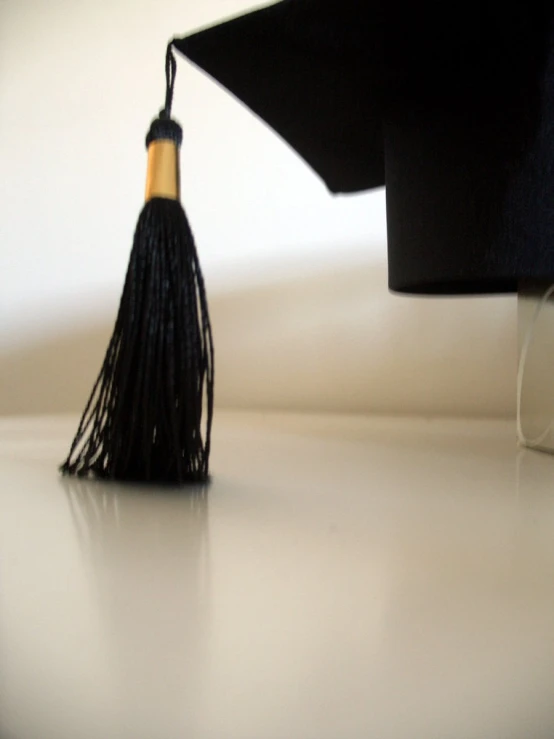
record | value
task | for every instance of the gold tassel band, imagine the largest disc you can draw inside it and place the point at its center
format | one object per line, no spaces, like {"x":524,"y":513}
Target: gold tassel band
{"x":162,"y":177}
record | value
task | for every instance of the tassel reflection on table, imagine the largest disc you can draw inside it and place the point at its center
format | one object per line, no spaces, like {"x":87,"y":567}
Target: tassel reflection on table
{"x":148,"y":561}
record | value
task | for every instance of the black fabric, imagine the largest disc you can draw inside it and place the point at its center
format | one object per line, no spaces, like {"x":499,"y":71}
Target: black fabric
{"x":164,"y":128}
{"x":450,"y":105}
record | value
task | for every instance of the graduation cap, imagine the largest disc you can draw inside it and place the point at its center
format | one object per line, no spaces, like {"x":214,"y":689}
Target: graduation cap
{"x":448,"y":105}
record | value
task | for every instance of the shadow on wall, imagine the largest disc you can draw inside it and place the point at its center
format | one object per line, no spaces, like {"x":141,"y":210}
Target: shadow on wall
{"x":335,"y":340}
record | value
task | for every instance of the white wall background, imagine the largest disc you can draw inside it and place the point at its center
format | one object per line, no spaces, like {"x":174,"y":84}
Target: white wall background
{"x":297,"y":278}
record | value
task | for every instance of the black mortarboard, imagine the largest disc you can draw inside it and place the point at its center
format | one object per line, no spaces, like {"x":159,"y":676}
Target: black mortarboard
{"x":449,"y":105}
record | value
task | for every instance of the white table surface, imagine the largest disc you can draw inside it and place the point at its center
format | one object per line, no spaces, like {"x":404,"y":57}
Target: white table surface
{"x":342,"y":578}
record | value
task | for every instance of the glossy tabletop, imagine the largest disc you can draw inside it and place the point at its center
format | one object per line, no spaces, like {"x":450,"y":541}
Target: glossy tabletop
{"x":341,"y":578}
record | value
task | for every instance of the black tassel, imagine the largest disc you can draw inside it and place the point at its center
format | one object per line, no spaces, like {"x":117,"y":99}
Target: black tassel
{"x":144,"y":420}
